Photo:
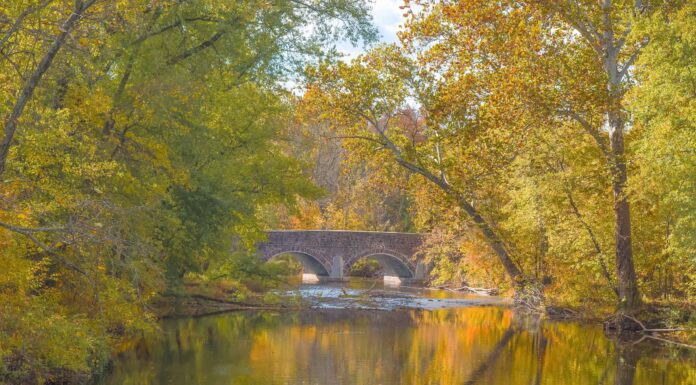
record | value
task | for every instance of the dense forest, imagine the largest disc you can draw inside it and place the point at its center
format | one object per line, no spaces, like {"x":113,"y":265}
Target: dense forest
{"x":548,"y":148}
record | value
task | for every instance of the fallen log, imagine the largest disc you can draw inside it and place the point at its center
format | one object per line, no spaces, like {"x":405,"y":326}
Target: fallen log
{"x":475,"y":290}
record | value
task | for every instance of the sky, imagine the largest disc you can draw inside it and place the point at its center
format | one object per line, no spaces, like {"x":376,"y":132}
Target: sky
{"x":387,"y":17}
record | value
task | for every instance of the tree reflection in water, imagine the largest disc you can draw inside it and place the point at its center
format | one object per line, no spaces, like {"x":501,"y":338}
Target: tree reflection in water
{"x":626,"y":363}
{"x":478,"y":345}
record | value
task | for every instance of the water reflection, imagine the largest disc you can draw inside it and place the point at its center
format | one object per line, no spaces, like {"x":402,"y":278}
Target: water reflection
{"x":478,"y":345}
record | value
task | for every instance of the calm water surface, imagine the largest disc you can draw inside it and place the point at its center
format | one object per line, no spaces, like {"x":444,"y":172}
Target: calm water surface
{"x":444,"y":345}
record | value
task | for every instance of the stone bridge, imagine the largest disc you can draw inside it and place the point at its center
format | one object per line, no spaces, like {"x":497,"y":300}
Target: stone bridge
{"x":327,"y":254}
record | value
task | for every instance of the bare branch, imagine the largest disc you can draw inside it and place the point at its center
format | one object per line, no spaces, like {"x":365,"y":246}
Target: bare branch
{"x":625,"y":67}
{"x":31,"y":230}
{"x":29,"y":233}
{"x":367,"y":138}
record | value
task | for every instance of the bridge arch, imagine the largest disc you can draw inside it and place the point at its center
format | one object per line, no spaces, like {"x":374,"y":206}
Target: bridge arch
{"x":311,"y":262}
{"x":394,"y":263}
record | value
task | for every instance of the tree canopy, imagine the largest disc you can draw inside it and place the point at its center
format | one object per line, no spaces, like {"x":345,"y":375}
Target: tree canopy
{"x":140,"y":140}
{"x":526,"y":133}
{"x":547,"y":147}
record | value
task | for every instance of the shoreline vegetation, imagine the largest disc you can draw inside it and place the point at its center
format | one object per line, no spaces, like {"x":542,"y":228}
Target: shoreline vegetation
{"x":197,"y":300}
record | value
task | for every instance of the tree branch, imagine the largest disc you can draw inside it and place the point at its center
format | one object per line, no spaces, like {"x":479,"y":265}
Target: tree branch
{"x":29,"y":233}
{"x":631,"y":59}
{"x":194,"y":50}
{"x":173,"y":25}
{"x":599,"y":139}
{"x":593,"y":239}
{"x":33,"y":81}
{"x":31,"y":230}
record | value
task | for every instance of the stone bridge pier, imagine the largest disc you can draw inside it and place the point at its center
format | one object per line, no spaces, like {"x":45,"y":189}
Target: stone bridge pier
{"x":327,"y":255}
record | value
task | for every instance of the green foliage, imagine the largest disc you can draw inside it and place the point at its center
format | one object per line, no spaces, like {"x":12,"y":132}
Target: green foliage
{"x":664,"y":185}
{"x":366,"y":267}
{"x":152,"y":138}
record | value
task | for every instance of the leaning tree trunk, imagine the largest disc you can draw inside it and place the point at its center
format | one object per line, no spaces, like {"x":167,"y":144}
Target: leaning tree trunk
{"x":529,"y":292}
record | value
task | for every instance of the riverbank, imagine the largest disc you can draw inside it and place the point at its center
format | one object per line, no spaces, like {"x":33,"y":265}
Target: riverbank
{"x":195,"y":299}
{"x":372,"y":339}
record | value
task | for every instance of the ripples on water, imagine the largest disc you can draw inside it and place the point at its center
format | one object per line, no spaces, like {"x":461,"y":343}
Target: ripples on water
{"x":363,"y":295}
{"x":471,"y":345}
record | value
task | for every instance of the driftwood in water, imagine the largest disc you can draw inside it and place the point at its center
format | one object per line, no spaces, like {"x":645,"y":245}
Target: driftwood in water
{"x":469,"y":289}
{"x":623,"y":323}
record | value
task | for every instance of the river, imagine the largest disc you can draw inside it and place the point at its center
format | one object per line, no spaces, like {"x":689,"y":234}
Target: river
{"x":401,"y":336}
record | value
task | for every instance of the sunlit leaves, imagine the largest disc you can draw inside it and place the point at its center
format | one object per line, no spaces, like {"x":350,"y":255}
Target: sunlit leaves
{"x":507,"y":102}
{"x":153,"y":139}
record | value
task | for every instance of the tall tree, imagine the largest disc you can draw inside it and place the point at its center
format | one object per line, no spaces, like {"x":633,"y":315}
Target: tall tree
{"x":606,"y":30}
{"x":570,"y":60}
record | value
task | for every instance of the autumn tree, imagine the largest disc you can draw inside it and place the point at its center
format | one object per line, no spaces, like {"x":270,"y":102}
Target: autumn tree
{"x":570,"y":61}
{"x":663,"y":187}
{"x":462,"y":157}
{"x":140,"y":139}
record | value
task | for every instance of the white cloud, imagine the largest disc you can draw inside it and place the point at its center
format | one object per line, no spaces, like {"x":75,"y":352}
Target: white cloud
{"x":388,"y":17}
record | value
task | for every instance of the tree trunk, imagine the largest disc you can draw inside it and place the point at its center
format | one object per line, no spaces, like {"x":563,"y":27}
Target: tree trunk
{"x":629,"y":299}
{"x":494,"y":240}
